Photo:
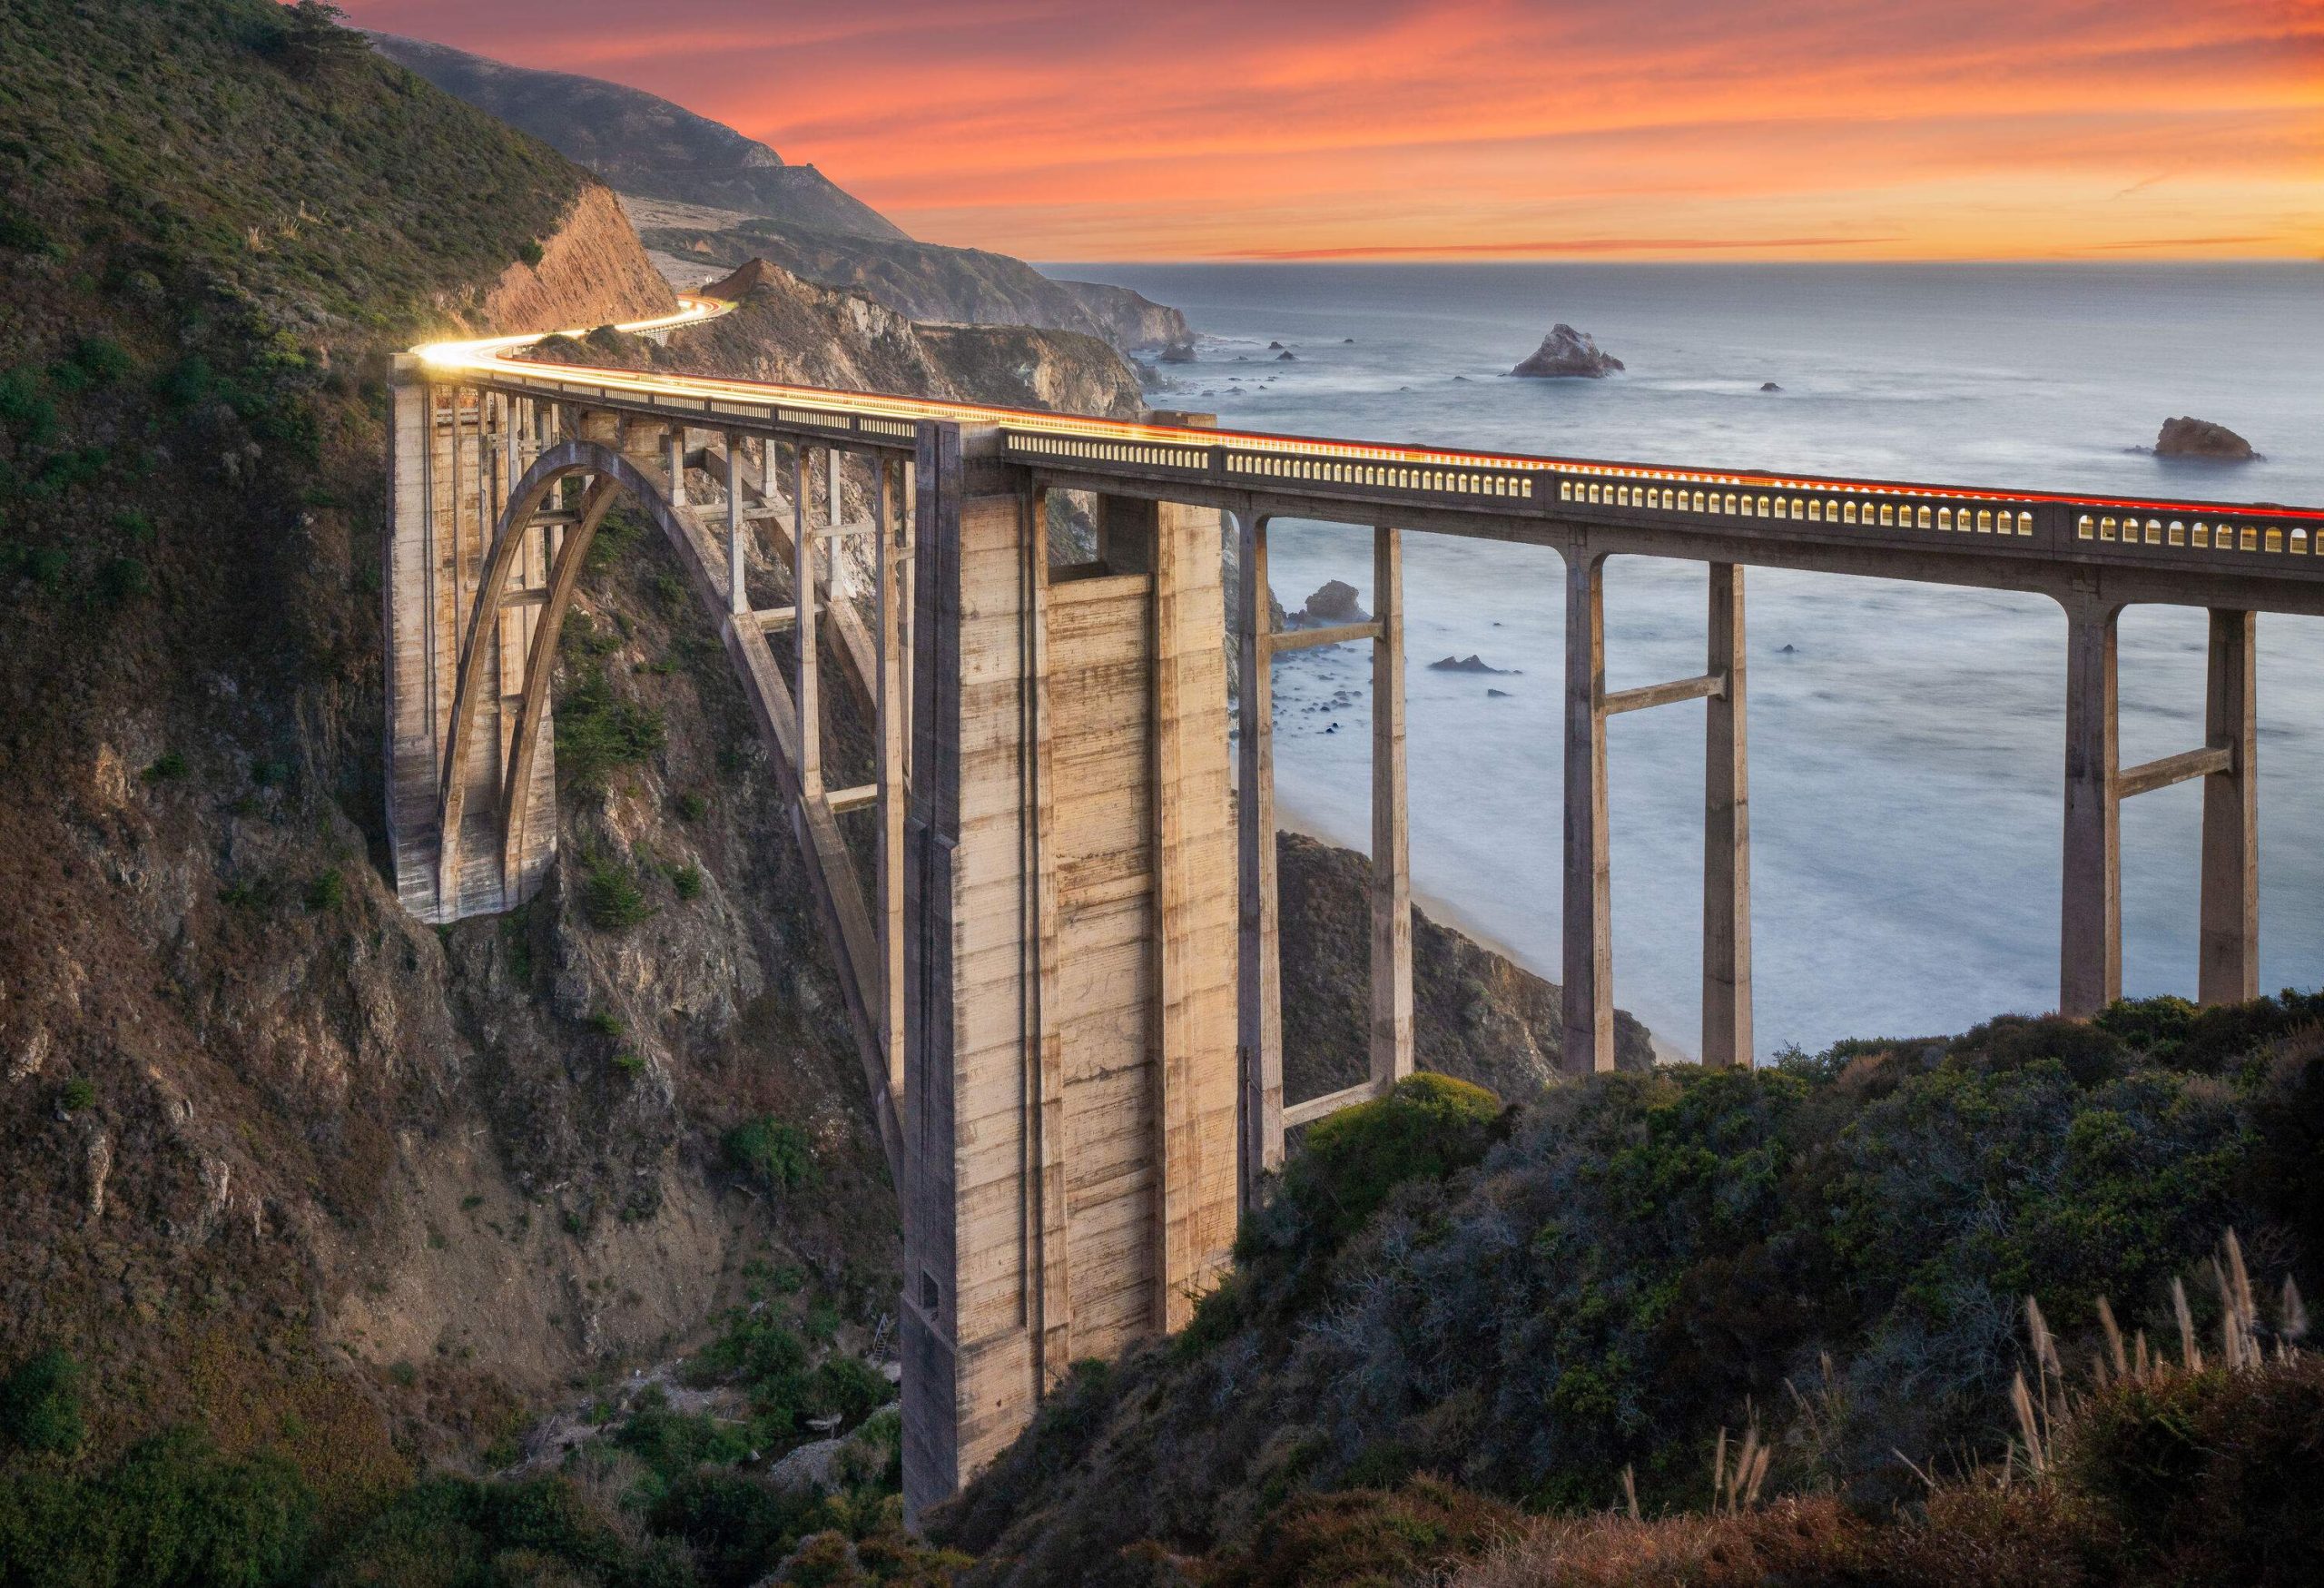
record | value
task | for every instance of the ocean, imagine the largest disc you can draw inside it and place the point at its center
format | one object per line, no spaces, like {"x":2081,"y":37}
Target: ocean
{"x":1906,"y":740}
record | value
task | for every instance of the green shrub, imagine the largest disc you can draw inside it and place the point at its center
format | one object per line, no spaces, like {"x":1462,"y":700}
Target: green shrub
{"x":610,"y":896}
{"x":1429,"y":1126}
{"x":849,"y":1387}
{"x":101,"y":360}
{"x":167,"y":767}
{"x":629,"y":1065}
{"x":530,"y":251}
{"x":40,"y":1402}
{"x":327,"y":891}
{"x":768,"y":1359}
{"x":774,"y":1152}
{"x":599,"y":733}
{"x":21,"y":232}
{"x":455,"y":1531}
{"x":122,"y":579}
{"x":603,"y":1022}
{"x":691,"y":806}
{"x":171,"y":1512}
{"x":2208,"y":1478}
{"x":687,"y":881}
{"x":26,"y":410}
{"x":737,"y":1526}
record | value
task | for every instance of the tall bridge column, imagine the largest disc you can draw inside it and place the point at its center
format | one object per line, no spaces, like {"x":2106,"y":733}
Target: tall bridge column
{"x":1070,"y":1078}
{"x":1392,"y":883}
{"x":1726,"y":834}
{"x":2230,"y":968}
{"x":1589,"y":913}
{"x":1259,"y":994}
{"x":2090,"y":931}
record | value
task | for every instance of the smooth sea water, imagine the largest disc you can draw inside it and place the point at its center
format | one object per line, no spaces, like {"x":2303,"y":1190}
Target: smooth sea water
{"x":1906,"y":740}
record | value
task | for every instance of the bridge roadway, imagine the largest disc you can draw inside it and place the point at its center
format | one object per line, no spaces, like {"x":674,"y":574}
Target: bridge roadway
{"x":1061,"y":915}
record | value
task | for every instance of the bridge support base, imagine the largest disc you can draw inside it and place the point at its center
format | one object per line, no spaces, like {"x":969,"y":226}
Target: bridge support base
{"x":1071,"y":1115}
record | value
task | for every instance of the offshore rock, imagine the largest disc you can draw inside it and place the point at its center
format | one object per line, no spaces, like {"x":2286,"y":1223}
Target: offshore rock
{"x":1334,"y":603}
{"x":2192,"y":437}
{"x":1566,"y":352}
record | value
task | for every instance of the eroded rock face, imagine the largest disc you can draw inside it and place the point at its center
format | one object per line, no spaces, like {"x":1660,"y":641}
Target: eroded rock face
{"x":2193,"y":438}
{"x":1475,"y":1014}
{"x":591,"y":270}
{"x":1566,"y":352}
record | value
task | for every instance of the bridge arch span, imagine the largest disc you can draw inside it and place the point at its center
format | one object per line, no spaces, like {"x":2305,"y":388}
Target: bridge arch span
{"x":609,"y":477}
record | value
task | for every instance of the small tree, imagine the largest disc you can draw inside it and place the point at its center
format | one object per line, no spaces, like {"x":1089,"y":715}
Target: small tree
{"x":315,"y":36}
{"x":40,"y":1404}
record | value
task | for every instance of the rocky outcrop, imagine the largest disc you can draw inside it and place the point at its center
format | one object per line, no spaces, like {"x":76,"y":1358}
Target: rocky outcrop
{"x":639,"y":141}
{"x":1129,"y":318}
{"x":1475,"y":1014}
{"x":1566,"y":352}
{"x":931,"y":284}
{"x":803,"y":334}
{"x":1334,"y":602}
{"x":2193,"y":438}
{"x":591,"y":270}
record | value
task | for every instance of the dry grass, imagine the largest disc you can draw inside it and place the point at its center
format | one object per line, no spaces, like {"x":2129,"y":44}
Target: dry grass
{"x":1971,"y":1537}
{"x":2151,"y":1469}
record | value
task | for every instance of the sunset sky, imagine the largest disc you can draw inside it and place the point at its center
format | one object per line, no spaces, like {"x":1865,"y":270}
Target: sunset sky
{"x":1397,"y":128}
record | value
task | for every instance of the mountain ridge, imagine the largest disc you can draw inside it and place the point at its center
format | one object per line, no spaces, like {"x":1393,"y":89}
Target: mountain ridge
{"x":708,"y":198}
{"x":639,"y":141}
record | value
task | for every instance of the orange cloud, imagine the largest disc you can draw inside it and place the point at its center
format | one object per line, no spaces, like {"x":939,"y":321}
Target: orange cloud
{"x":1466,"y":128}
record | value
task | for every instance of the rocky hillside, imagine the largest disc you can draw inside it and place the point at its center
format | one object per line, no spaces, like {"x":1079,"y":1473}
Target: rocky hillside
{"x":708,"y":199}
{"x":286,"y":1165}
{"x":797,"y":331}
{"x":641,"y":142}
{"x":922,"y":281}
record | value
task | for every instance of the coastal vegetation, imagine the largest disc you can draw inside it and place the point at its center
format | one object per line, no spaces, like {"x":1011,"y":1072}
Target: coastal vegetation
{"x":2024,"y":1305}
{"x":1570,"y":1310}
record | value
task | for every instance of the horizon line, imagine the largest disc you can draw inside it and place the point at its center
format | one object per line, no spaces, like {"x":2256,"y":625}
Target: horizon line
{"x":1354,"y":257}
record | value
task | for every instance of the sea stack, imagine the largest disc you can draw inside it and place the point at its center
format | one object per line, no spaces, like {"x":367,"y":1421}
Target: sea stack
{"x":2192,"y":438}
{"x":1334,"y":603}
{"x":1566,"y":352}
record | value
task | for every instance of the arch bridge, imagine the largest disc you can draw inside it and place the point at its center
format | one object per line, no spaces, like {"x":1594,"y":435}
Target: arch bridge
{"x":1060,"y":963}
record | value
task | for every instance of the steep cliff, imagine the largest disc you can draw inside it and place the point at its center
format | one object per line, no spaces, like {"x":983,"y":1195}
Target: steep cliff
{"x":591,"y":270}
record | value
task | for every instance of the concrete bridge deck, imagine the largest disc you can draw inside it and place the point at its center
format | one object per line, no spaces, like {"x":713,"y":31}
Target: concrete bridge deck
{"x":1063,"y":972}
